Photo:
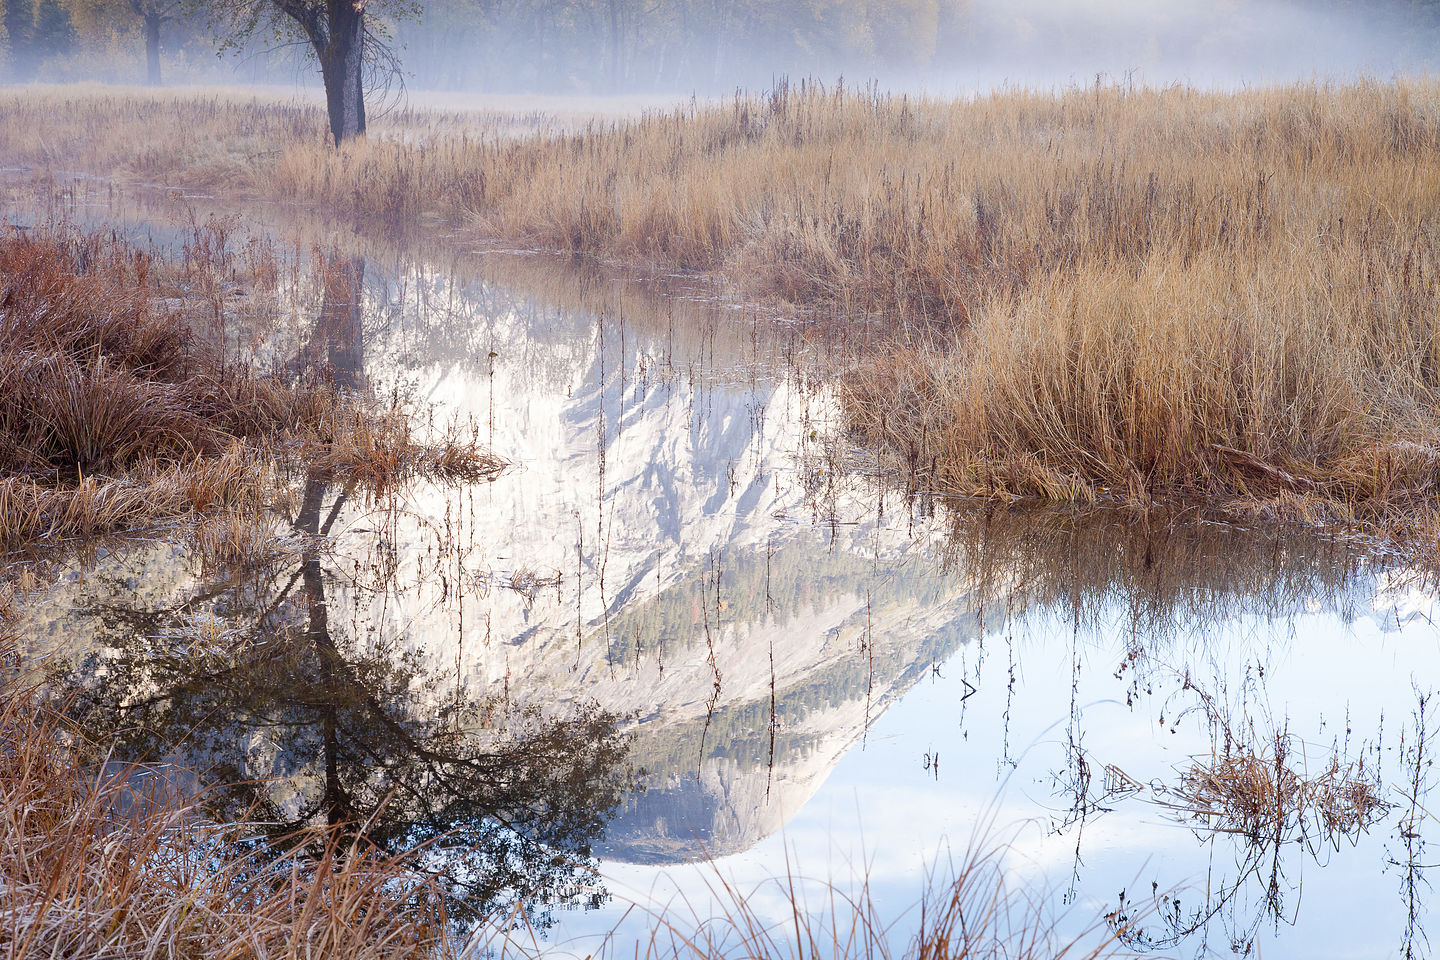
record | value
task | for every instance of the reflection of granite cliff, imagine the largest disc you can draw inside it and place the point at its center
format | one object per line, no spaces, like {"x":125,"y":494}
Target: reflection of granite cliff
{"x":673,"y":506}
{"x":715,"y":786}
{"x":678,"y":512}
{"x":672,"y":493}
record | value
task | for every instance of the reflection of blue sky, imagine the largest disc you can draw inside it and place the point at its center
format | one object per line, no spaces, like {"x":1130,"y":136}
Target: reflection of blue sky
{"x":691,"y":472}
{"x":694,"y":471}
{"x":882,"y":809}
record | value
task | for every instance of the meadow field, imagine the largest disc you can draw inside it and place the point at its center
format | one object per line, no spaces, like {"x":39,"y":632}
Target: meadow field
{"x":1111,"y":294}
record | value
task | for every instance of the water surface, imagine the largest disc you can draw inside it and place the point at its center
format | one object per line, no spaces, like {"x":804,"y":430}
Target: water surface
{"x":695,"y":636}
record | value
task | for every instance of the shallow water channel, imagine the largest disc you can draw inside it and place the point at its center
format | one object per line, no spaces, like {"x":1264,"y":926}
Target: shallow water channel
{"x":770,"y":660}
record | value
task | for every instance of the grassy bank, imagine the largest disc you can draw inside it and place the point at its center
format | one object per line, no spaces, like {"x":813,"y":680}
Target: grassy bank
{"x":124,"y":403}
{"x":1106,"y":294}
{"x":1109,"y":294}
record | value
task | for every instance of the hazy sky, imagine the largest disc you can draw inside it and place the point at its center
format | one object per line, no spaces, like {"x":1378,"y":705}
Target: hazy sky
{"x":1226,"y":42}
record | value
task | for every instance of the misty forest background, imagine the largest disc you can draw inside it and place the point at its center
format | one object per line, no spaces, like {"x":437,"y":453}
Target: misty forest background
{"x":715,"y":46}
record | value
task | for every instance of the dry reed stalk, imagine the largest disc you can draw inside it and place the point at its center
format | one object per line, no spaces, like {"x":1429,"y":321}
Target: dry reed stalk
{"x":376,"y":452}
{"x":528,"y":583}
{"x":1254,"y":789}
{"x":965,"y":914}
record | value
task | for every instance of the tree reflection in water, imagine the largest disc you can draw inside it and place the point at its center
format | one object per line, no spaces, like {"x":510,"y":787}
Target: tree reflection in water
{"x":291,"y":723}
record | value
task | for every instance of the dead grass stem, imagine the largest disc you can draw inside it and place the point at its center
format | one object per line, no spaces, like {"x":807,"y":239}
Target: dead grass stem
{"x":968,"y":911}
{"x":1259,"y":781}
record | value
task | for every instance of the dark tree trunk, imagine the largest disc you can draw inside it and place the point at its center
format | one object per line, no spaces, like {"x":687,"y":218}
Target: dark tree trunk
{"x":337,"y":341}
{"x":151,"y":26}
{"x":720,"y":24}
{"x":342,"y":65}
{"x":615,"y":48}
{"x":337,"y":802}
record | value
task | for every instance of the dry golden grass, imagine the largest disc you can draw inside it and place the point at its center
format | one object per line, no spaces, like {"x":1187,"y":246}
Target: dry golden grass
{"x":228,"y":140}
{"x":1262,"y":783}
{"x":44,"y":513}
{"x":1108,"y":293}
{"x":109,"y":860}
{"x":379,"y":450}
{"x":1257,"y":791}
{"x":121,"y":408}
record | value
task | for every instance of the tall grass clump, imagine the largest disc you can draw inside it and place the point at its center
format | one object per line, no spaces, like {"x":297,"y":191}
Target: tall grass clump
{"x":1103,"y":294}
{"x":230,"y":141}
{"x":121,"y":406}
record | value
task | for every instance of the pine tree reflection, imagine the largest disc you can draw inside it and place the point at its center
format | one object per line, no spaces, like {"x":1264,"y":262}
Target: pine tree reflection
{"x":290,"y":721}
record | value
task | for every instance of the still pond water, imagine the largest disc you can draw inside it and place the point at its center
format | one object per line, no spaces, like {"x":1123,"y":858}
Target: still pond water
{"x":698,"y":636}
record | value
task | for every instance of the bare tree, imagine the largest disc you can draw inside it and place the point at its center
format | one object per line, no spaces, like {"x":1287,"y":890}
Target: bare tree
{"x":344,"y":35}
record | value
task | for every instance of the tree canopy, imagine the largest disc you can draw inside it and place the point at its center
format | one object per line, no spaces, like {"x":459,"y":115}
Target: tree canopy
{"x":348,"y":38}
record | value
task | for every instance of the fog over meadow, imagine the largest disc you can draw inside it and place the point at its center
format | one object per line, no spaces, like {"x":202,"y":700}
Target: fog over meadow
{"x":714,"y":47}
{"x":937,"y":46}
{"x":1224,"y":43}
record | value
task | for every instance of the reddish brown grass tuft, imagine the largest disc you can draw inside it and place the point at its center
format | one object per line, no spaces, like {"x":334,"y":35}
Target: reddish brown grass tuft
{"x":119,"y":411}
{"x":106,"y":860}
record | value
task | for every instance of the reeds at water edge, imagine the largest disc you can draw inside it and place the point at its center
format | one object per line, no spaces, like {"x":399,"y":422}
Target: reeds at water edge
{"x":122,"y":407}
{"x":1101,"y":294}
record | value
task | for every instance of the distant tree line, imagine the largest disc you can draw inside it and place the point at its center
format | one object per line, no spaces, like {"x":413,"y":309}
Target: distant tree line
{"x":554,"y":45}
{"x":704,"y":46}
{"x":672,"y":45}
{"x":90,"y":39}
{"x":35,"y":30}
